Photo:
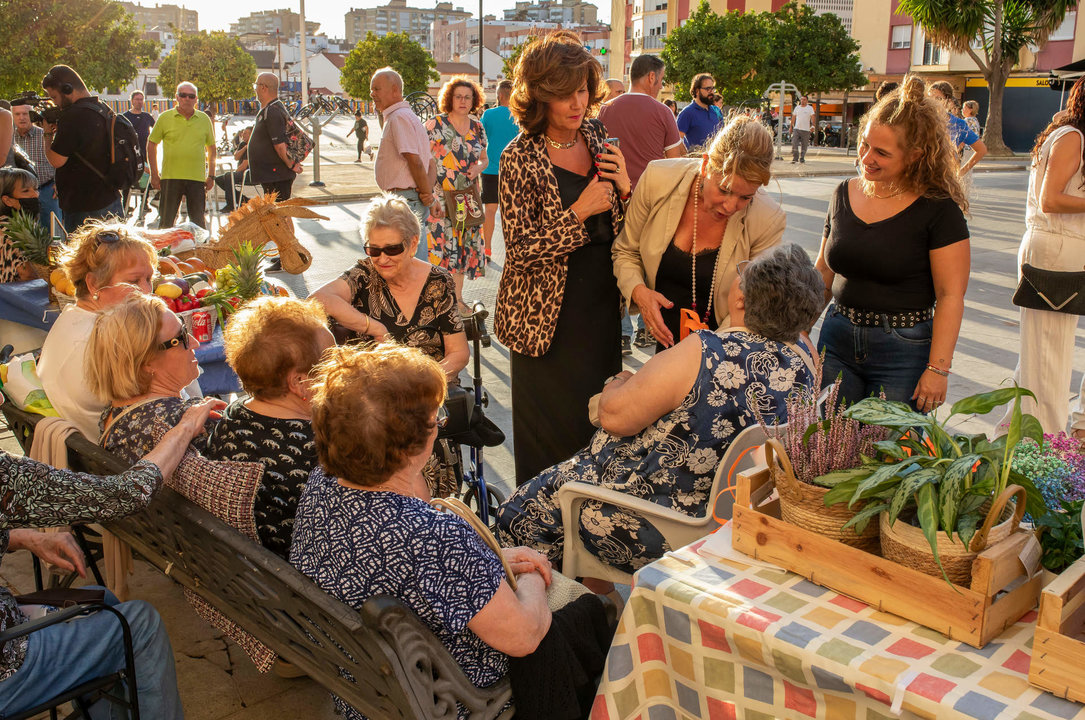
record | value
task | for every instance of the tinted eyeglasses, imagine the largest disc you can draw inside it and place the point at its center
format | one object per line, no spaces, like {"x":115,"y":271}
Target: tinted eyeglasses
{"x":442,"y":416}
{"x":187,"y":96}
{"x":106,"y":238}
{"x":181,"y":339}
{"x":389,"y":250}
{"x":708,"y":88}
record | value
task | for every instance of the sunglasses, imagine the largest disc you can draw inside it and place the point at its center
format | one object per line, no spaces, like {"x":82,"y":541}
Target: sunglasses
{"x":181,"y":339}
{"x":442,"y":416}
{"x":187,"y":96}
{"x":709,"y":89}
{"x":389,"y":250}
{"x":106,"y":238}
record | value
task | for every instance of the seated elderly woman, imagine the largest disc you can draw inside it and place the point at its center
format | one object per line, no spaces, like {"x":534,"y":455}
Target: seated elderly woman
{"x":38,"y":667}
{"x":105,"y":262}
{"x":272,"y":343}
{"x":364,"y":526}
{"x":666,"y":428}
{"x":139,"y":358}
{"x":392,"y":293}
{"x":18,"y":191}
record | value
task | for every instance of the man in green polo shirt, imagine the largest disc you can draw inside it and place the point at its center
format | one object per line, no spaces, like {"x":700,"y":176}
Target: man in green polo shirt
{"x":186,"y":135}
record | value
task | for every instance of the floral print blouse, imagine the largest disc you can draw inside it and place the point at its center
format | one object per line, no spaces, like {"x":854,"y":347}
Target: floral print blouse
{"x":435,"y":315}
{"x":35,"y":495}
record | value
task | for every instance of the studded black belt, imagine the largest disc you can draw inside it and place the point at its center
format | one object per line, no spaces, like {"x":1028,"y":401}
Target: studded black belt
{"x":876,"y":318}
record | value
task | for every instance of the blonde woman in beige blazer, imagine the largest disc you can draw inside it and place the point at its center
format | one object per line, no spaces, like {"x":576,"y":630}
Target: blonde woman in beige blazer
{"x":714,"y":206}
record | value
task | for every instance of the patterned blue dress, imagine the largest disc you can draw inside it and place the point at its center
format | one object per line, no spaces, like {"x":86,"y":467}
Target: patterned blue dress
{"x":671,"y":462}
{"x":359,"y":543}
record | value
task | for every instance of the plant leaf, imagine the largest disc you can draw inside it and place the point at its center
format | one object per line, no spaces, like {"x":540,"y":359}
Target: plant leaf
{"x":878,"y":480}
{"x":1031,"y":428}
{"x":890,"y":448}
{"x":928,"y":521}
{"x":951,"y":490}
{"x":822,"y":425}
{"x":863,"y":517}
{"x":841,"y":492}
{"x":966,"y":526}
{"x":983,"y":403}
{"x":888,"y":413}
{"x":834,"y":478}
{"x":908,"y":487}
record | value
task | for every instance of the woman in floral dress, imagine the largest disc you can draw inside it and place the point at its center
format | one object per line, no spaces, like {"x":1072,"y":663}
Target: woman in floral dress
{"x":459,"y":148}
{"x":666,"y":428}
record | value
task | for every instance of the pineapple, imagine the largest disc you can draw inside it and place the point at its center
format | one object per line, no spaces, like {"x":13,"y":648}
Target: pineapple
{"x":247,"y":275}
{"x":29,"y":237}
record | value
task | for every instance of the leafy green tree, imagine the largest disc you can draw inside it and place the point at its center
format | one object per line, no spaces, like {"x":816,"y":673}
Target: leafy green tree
{"x":214,"y":62}
{"x":96,"y":37}
{"x":395,"y":50}
{"x":732,"y":47}
{"x":508,"y":67}
{"x":814,"y":52}
{"x":992,"y":33}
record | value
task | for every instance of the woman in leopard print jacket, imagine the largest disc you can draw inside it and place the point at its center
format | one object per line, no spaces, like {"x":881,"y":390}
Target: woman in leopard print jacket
{"x":562,"y":190}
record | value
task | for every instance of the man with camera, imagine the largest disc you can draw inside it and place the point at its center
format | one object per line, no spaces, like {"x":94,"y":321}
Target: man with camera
{"x":78,"y":143}
{"x":31,"y":139}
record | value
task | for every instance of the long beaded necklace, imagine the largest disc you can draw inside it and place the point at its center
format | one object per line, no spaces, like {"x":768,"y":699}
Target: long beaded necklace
{"x":715,"y":266}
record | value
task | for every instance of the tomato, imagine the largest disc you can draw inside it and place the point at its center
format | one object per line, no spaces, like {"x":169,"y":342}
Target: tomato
{"x":201,"y":293}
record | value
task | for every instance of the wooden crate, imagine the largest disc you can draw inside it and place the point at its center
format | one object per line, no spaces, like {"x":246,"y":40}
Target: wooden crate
{"x":1001,"y":591}
{"x":1058,"y":652}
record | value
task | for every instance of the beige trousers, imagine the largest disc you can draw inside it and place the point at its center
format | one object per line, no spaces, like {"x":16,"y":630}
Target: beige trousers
{"x":1046,"y":361}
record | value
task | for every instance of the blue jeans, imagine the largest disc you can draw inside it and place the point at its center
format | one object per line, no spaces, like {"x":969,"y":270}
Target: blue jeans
{"x":49,"y":205}
{"x":873,"y":359}
{"x":421,"y":212}
{"x":73,"y":219}
{"x":66,"y":655}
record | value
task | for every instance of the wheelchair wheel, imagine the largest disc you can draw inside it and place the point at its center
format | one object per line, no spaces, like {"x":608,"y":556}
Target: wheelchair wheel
{"x":494,"y":499}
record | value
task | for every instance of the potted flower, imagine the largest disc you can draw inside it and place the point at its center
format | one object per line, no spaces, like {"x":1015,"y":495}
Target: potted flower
{"x":935,"y":480}
{"x":1057,"y":468}
{"x":820,"y":448}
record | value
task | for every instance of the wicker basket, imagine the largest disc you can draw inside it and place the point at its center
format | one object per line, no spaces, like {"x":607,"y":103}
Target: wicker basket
{"x":906,"y":544}
{"x":803,"y":504}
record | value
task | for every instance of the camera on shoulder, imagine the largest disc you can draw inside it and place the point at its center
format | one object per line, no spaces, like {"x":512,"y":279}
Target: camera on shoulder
{"x":44,"y":107}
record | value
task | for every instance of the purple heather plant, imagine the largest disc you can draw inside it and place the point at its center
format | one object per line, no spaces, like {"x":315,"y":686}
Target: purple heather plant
{"x":837,"y":443}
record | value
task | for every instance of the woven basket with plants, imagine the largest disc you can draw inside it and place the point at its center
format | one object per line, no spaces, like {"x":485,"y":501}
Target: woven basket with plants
{"x":941,"y":496}
{"x":821,"y":448}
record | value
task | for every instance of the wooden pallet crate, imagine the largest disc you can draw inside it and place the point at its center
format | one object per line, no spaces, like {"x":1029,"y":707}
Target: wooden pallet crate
{"x":1058,"y":651}
{"x":1002,"y":590}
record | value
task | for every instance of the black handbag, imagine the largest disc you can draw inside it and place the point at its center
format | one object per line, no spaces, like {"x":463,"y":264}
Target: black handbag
{"x":1051,"y":290}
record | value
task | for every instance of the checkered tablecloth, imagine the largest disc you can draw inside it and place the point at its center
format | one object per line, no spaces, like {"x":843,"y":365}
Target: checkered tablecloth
{"x":714,"y":638}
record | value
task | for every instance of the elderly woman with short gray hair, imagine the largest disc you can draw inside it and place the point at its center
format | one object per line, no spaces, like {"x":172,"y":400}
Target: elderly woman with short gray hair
{"x":666,"y":428}
{"x":391,"y":293}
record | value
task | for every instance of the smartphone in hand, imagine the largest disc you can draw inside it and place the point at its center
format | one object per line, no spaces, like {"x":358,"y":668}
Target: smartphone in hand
{"x":613,"y":141}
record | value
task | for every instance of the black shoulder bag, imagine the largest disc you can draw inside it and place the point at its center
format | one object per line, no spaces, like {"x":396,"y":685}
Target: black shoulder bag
{"x":1051,"y":290}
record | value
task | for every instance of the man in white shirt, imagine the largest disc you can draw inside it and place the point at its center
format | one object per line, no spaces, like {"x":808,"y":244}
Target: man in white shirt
{"x":802,"y":120}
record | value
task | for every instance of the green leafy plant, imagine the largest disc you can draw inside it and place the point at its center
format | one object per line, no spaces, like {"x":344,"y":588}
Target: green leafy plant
{"x":1061,"y":536}
{"x":946,"y":477}
{"x":29,"y":237}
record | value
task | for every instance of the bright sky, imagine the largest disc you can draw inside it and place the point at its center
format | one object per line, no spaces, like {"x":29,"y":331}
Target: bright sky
{"x":214,"y":14}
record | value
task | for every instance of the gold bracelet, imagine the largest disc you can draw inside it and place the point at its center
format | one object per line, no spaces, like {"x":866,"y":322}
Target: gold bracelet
{"x":367,"y":321}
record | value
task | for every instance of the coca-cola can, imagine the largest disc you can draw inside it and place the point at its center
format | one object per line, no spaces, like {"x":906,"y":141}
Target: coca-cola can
{"x":201,"y":326}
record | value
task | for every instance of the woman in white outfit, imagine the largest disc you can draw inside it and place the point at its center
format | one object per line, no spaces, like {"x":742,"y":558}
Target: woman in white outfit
{"x":1054,"y":240}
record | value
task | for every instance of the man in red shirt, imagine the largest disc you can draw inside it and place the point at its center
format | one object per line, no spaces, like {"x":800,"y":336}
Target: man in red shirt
{"x":647,"y":131}
{"x":646,"y":127}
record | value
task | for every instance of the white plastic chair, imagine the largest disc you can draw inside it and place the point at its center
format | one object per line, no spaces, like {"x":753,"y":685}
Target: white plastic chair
{"x":676,"y":527}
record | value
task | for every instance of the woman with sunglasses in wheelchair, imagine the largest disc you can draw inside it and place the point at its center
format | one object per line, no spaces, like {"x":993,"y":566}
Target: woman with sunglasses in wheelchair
{"x":392,"y":294}
{"x":139,"y":359}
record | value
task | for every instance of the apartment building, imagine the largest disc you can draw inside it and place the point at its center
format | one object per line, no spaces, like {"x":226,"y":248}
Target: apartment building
{"x":163,"y":17}
{"x":565,"y":12}
{"x":396,"y":17}
{"x":285,"y":22}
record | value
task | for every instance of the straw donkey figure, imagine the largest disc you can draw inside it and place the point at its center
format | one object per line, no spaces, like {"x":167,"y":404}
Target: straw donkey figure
{"x":262,"y":220}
